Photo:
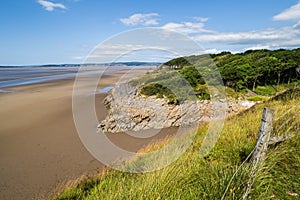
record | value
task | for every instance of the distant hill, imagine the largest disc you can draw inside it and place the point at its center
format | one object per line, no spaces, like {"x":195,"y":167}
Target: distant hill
{"x":136,"y":63}
{"x":91,"y":64}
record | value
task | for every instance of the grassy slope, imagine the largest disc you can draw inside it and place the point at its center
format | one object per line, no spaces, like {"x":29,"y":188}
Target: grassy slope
{"x":192,"y":177}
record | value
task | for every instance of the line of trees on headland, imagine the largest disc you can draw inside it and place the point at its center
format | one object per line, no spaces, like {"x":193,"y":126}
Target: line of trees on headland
{"x":246,"y":70}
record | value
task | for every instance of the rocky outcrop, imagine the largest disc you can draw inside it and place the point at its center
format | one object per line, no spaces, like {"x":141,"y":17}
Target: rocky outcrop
{"x":130,"y":111}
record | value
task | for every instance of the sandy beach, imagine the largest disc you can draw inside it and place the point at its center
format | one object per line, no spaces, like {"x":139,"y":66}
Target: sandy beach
{"x":39,"y":147}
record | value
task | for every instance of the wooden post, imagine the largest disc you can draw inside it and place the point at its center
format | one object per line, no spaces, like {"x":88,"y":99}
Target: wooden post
{"x":261,"y":147}
{"x":262,"y":142}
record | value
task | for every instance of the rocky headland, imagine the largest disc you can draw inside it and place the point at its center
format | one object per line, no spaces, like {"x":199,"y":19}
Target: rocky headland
{"x":129,"y":110}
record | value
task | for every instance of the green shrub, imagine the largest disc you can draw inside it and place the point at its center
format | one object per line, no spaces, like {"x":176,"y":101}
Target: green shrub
{"x":265,"y":90}
{"x":155,"y":89}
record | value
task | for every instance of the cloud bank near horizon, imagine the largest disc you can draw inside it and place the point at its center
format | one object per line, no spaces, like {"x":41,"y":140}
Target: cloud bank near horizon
{"x":268,"y":38}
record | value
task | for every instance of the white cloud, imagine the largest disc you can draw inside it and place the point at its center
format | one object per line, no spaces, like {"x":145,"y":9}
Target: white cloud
{"x":289,"y":14}
{"x":282,"y":37}
{"x":188,"y":27}
{"x":141,"y":19}
{"x":50,"y":6}
{"x":257,"y":47}
{"x":116,"y":49}
{"x":212,"y":51}
{"x":266,"y":38}
{"x":242,"y":37}
{"x":297,"y":26}
{"x":201,"y":19}
{"x":106,"y":53}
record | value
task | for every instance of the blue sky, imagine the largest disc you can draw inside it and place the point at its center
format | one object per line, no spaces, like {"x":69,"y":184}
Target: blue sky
{"x":65,"y":31}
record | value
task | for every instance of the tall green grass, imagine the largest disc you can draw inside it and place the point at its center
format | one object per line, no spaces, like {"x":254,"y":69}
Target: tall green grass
{"x":192,"y":177}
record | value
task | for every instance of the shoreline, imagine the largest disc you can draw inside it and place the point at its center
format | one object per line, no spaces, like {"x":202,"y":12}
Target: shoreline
{"x":15,"y":77}
{"x":40,"y":148}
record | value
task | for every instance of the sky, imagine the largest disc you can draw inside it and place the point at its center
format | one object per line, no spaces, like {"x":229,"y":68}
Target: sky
{"x":37,"y":32}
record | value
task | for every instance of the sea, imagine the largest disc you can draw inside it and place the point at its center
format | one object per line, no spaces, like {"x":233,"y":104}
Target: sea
{"x":11,"y":76}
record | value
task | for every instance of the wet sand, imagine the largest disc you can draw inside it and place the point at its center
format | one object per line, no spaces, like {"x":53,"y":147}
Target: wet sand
{"x":39,"y":146}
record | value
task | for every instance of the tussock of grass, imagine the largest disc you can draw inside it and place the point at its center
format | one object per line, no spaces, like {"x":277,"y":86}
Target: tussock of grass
{"x":255,"y":98}
{"x":192,"y":177}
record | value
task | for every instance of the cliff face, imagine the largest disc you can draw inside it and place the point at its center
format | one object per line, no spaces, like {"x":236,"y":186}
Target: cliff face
{"x":130,"y":111}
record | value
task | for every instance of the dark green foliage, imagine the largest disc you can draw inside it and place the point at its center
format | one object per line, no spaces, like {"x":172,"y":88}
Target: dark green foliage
{"x":192,"y":76}
{"x":249,"y":69}
{"x":258,"y":70}
{"x":202,"y":92}
{"x":154,"y":89}
{"x":178,"y":62}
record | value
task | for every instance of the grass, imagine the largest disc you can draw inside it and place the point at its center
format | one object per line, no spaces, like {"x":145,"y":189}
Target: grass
{"x":270,"y":90}
{"x":255,"y":98}
{"x":192,"y":177}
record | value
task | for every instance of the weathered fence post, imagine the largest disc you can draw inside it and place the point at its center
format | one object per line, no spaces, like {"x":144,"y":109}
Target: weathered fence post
{"x":261,"y":147}
{"x":262,"y":142}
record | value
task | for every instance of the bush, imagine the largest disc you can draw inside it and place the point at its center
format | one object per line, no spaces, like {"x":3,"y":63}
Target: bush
{"x":265,"y":90}
{"x":155,"y":89}
{"x":202,"y":92}
{"x":192,"y":75}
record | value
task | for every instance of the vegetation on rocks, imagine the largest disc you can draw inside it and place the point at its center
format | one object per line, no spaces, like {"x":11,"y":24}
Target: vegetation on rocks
{"x":261,"y":71}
